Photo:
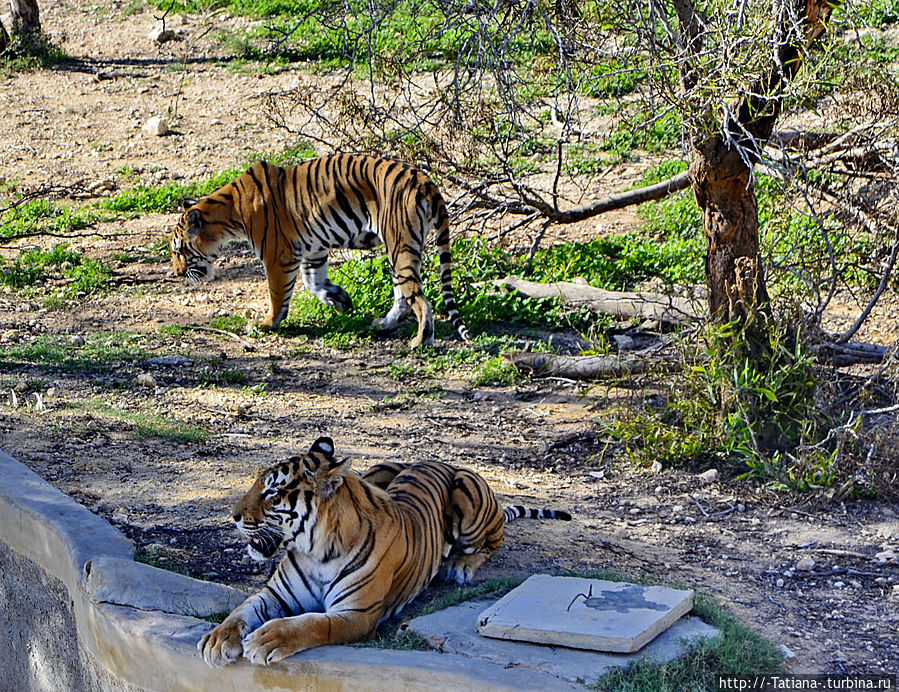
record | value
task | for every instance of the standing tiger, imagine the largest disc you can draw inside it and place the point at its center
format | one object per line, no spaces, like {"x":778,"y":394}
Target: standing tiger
{"x":293,"y":216}
{"x":359,"y":548}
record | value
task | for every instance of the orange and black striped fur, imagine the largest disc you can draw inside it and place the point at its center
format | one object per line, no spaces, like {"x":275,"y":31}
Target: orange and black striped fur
{"x":293,"y":216}
{"x":359,"y":548}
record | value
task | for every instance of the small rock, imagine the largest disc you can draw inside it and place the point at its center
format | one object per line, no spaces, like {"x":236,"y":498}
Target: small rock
{"x":145,"y":379}
{"x":741,"y":508}
{"x":656,"y":467}
{"x":709,"y":476}
{"x":885,"y":556}
{"x":174,"y":360}
{"x":120,"y":515}
{"x":156,"y":126}
{"x":160,"y":35}
{"x":21,"y":387}
{"x":78,"y":340}
{"x":805,"y":564}
{"x":677,"y":509}
{"x":598,"y":475}
{"x":635,"y":510}
{"x":780,"y":583}
{"x":243,"y":409}
{"x":839,"y":584}
{"x":895,"y":593}
{"x":52,"y":392}
{"x":888,"y":532}
{"x":623,"y":342}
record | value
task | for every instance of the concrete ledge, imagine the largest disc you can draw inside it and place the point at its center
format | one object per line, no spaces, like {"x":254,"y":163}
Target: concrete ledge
{"x":122,"y":625}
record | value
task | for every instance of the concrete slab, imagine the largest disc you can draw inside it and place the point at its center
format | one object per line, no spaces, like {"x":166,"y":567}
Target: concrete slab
{"x":585,"y":613}
{"x":453,"y":631}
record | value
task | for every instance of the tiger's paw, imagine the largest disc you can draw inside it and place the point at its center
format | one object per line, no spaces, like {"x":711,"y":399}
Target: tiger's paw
{"x":337,"y":298}
{"x":222,"y":645}
{"x":456,"y":572}
{"x":274,"y":641}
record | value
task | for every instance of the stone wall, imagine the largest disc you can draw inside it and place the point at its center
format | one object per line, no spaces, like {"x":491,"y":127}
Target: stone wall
{"x":77,"y":613}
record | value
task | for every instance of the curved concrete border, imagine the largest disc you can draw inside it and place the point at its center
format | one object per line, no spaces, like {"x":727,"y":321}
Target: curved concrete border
{"x":136,"y":626}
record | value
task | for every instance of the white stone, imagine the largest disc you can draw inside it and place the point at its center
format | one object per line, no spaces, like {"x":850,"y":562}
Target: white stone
{"x":585,"y":613}
{"x":156,"y":126}
{"x":885,"y":556}
{"x":160,"y":35}
{"x":805,"y":564}
{"x":145,"y":379}
{"x":656,"y":466}
{"x":709,"y":476}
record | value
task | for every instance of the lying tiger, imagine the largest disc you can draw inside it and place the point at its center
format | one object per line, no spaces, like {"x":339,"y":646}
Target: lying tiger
{"x":293,"y":216}
{"x":359,"y":548}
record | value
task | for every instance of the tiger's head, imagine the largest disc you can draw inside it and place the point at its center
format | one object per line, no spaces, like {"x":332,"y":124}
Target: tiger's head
{"x":285,"y":499}
{"x":203,"y":228}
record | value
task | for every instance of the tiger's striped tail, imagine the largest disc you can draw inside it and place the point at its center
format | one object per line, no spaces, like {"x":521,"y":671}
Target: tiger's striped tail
{"x":441,"y":225}
{"x":519,"y":512}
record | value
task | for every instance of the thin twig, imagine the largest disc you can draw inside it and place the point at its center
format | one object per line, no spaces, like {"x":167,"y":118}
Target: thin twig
{"x":246,"y":344}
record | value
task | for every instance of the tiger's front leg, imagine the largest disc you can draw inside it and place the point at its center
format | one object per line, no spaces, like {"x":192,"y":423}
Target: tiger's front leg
{"x":223,"y":645}
{"x":278,"y":639}
{"x":315,"y":277}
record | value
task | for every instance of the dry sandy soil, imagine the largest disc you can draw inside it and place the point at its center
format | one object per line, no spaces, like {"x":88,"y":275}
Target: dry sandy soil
{"x":535,"y":442}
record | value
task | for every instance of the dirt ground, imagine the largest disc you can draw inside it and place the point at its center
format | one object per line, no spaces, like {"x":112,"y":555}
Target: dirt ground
{"x":535,"y":442}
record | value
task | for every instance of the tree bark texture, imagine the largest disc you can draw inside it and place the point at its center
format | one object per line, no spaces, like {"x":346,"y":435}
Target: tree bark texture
{"x":25,"y":17}
{"x":721,"y":170}
{"x":4,"y":38}
{"x":722,"y":183}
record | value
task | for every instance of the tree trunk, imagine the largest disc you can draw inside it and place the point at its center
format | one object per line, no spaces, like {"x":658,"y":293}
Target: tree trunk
{"x":722,"y":184}
{"x":4,"y":38}
{"x":25,"y":17}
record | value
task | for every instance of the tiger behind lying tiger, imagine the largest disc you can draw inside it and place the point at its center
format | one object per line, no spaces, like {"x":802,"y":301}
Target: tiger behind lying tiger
{"x":293,"y":216}
{"x":358,"y":550}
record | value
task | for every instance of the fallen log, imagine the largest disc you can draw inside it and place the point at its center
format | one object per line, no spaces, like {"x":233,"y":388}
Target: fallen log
{"x":625,"y":305}
{"x":575,"y":367}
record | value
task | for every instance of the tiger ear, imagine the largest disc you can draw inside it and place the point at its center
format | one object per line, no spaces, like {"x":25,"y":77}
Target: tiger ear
{"x":323,"y":445}
{"x":333,"y":478}
{"x":194,"y":222}
{"x":188,"y":203}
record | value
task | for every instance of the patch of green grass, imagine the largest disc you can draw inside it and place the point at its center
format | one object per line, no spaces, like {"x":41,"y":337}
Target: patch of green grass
{"x":495,"y":372}
{"x":174,"y":330}
{"x":413,"y":34}
{"x":736,"y":651}
{"x":34,"y":267}
{"x":613,"y":77}
{"x":30,"y":53}
{"x":46,"y":216}
{"x":236,"y":324}
{"x":150,"y":555}
{"x":223,"y":376}
{"x":218,"y":617}
{"x":146,"y":424}
{"x":98,"y":353}
{"x":144,"y":199}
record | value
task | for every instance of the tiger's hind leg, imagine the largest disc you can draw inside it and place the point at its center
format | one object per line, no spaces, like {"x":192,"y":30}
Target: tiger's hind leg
{"x":383,"y":474}
{"x":315,"y":278}
{"x":474,"y":527}
{"x":407,"y":270}
{"x":398,"y":312}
